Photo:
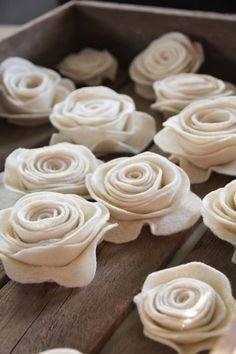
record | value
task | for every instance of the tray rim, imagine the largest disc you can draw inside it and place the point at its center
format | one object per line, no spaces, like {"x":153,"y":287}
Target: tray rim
{"x":126,"y":7}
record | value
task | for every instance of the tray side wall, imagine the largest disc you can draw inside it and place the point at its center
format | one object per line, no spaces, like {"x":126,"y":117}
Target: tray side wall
{"x":126,"y":33}
{"x":46,"y":40}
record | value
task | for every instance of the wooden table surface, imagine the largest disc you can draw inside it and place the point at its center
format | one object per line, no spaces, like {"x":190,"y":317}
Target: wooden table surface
{"x":100,"y":318}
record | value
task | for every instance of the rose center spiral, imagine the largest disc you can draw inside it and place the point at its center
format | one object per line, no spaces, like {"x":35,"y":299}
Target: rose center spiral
{"x":52,"y":164}
{"x":215,"y":117}
{"x":28,"y":81}
{"x":44,"y":213}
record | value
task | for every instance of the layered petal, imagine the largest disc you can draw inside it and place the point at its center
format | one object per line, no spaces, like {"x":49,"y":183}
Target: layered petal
{"x":28,"y":92}
{"x":176,"y":92}
{"x":59,"y":168}
{"x":170,"y":54}
{"x":61,"y":351}
{"x":186,"y":307}
{"x":89,"y":66}
{"x":219,"y":213}
{"x":48,"y":236}
{"x":202,"y":137}
{"x":144,"y":189}
{"x":102,"y":120}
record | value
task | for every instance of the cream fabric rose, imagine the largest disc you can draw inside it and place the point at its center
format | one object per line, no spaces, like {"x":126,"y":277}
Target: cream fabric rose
{"x":219,"y":213}
{"x":170,"y":54}
{"x":202,"y":138}
{"x":144,"y":189}
{"x":186,"y":307}
{"x":176,"y":92}
{"x":61,"y":351}
{"x":58,"y":168}
{"x":49,"y":236}
{"x":89,"y":66}
{"x":28,"y":92}
{"x":102,"y":120}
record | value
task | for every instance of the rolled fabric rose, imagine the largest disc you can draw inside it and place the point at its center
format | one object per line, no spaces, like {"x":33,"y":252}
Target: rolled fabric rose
{"x":170,"y":54}
{"x":28,"y":92}
{"x":219,"y":213}
{"x":102,"y":120}
{"x":202,"y":138}
{"x":89,"y":66}
{"x":58,"y":168}
{"x":49,"y":236}
{"x":187,"y":307}
{"x":144,"y":189}
{"x":176,"y":92}
{"x":61,"y":351}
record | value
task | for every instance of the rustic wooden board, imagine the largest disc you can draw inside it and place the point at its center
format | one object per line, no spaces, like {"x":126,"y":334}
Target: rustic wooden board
{"x":86,"y":318}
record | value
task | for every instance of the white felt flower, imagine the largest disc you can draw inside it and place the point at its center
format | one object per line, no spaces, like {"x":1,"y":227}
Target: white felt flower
{"x":170,"y":54}
{"x":58,"y":168}
{"x":176,"y":92}
{"x":186,"y":307}
{"x":219,"y":213}
{"x":49,"y":236}
{"x":102,"y":120}
{"x":89,"y":66}
{"x":28,"y":92}
{"x":144,"y":189}
{"x":61,"y":351}
{"x":202,"y":138}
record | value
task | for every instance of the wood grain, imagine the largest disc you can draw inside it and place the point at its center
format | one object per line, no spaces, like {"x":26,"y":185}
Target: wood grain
{"x":86,"y":318}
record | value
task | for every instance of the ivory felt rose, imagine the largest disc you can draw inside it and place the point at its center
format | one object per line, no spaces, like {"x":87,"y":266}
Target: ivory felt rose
{"x":49,"y":236}
{"x":28,"y":92}
{"x":102,"y":120}
{"x":61,"y":351}
{"x":144,"y":189}
{"x":176,"y":92}
{"x":170,"y":54}
{"x":59,"y":168}
{"x":89,"y":66}
{"x":202,"y":138}
{"x":219,"y":213}
{"x":186,"y":307}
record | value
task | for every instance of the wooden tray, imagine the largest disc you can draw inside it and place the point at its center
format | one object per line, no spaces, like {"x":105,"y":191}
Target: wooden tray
{"x":101,"y":318}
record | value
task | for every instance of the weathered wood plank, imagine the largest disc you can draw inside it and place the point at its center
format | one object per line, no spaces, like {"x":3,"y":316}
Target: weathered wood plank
{"x":20,"y":306}
{"x":130,"y":339}
{"x":88,"y":316}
